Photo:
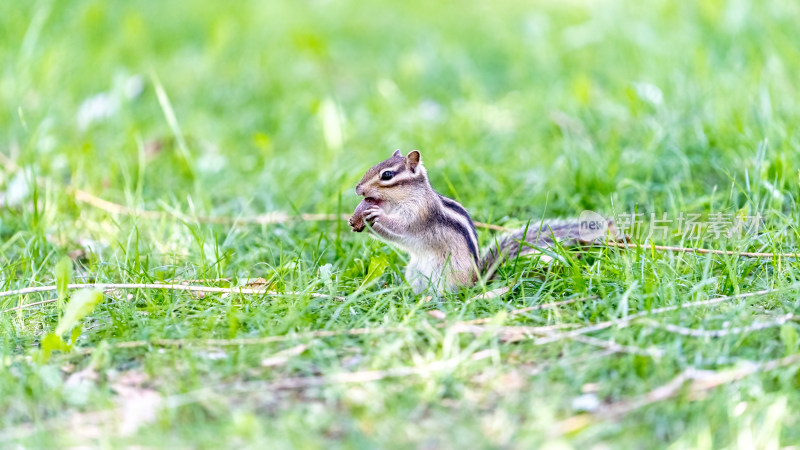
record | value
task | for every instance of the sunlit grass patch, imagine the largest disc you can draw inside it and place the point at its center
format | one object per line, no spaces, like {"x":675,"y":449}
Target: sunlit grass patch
{"x":217,"y":146}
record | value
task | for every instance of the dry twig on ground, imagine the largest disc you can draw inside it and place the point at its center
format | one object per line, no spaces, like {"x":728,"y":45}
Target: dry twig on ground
{"x":700,"y":381}
{"x":627,"y":320}
{"x":263,"y":219}
{"x":154,"y":286}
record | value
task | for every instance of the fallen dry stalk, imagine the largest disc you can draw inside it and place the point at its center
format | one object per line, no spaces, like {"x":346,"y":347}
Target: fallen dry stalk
{"x":29,"y":305}
{"x":698,"y":333}
{"x":263,"y":219}
{"x":668,"y":248}
{"x":700,"y":382}
{"x":619,"y":348}
{"x":627,"y":320}
{"x":155,"y":286}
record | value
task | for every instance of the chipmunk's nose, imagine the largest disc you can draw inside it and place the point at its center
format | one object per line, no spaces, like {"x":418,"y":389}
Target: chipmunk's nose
{"x":359,"y":190}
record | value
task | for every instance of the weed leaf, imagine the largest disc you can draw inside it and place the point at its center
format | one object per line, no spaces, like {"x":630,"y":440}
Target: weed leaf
{"x":63,"y":278}
{"x":377,"y":266}
{"x":78,"y":307}
{"x":51,"y":342}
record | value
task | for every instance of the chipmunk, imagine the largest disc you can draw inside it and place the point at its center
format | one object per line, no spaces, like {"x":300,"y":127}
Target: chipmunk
{"x":401,"y":206}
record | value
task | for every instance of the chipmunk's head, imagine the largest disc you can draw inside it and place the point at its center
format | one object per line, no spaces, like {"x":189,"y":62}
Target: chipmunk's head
{"x":397,"y":179}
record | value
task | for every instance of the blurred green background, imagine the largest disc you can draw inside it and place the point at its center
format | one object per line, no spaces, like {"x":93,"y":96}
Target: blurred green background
{"x":521,"y":110}
{"x":285,"y":104}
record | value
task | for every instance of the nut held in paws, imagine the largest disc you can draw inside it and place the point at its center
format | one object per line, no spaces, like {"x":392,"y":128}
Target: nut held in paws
{"x":357,"y":220}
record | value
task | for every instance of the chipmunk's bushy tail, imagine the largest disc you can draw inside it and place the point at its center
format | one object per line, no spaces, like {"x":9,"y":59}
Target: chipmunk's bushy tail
{"x":542,"y":235}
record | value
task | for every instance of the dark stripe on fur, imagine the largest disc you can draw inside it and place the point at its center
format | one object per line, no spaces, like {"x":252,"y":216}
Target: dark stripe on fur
{"x":394,"y":168}
{"x":403,"y":182}
{"x":458,"y":209}
{"x":399,"y":169}
{"x":441,"y":217}
{"x":377,"y":169}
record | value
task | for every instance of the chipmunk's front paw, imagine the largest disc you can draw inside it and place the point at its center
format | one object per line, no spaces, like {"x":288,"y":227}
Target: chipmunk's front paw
{"x":373,"y":214}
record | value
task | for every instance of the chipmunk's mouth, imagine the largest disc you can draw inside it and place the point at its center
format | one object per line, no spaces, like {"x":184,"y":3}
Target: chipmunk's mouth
{"x":372,"y":200}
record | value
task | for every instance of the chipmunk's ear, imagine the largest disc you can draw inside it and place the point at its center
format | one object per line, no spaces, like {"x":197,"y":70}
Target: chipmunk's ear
{"x":397,"y":153}
{"x":413,"y":159}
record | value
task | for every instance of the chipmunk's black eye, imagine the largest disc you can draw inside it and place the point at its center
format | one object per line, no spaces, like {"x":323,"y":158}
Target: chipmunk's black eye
{"x":387,"y":175}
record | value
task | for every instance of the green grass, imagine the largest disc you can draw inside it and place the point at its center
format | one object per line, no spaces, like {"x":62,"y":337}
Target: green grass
{"x":521,"y":111}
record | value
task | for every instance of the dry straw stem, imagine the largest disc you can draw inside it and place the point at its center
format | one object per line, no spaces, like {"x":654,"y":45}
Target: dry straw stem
{"x":263,"y":219}
{"x":619,"y":348}
{"x":29,"y":305}
{"x":200,"y":280}
{"x":627,"y":320}
{"x":667,"y":248}
{"x":157,"y":286}
{"x":700,"y":333}
{"x":700,"y":382}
